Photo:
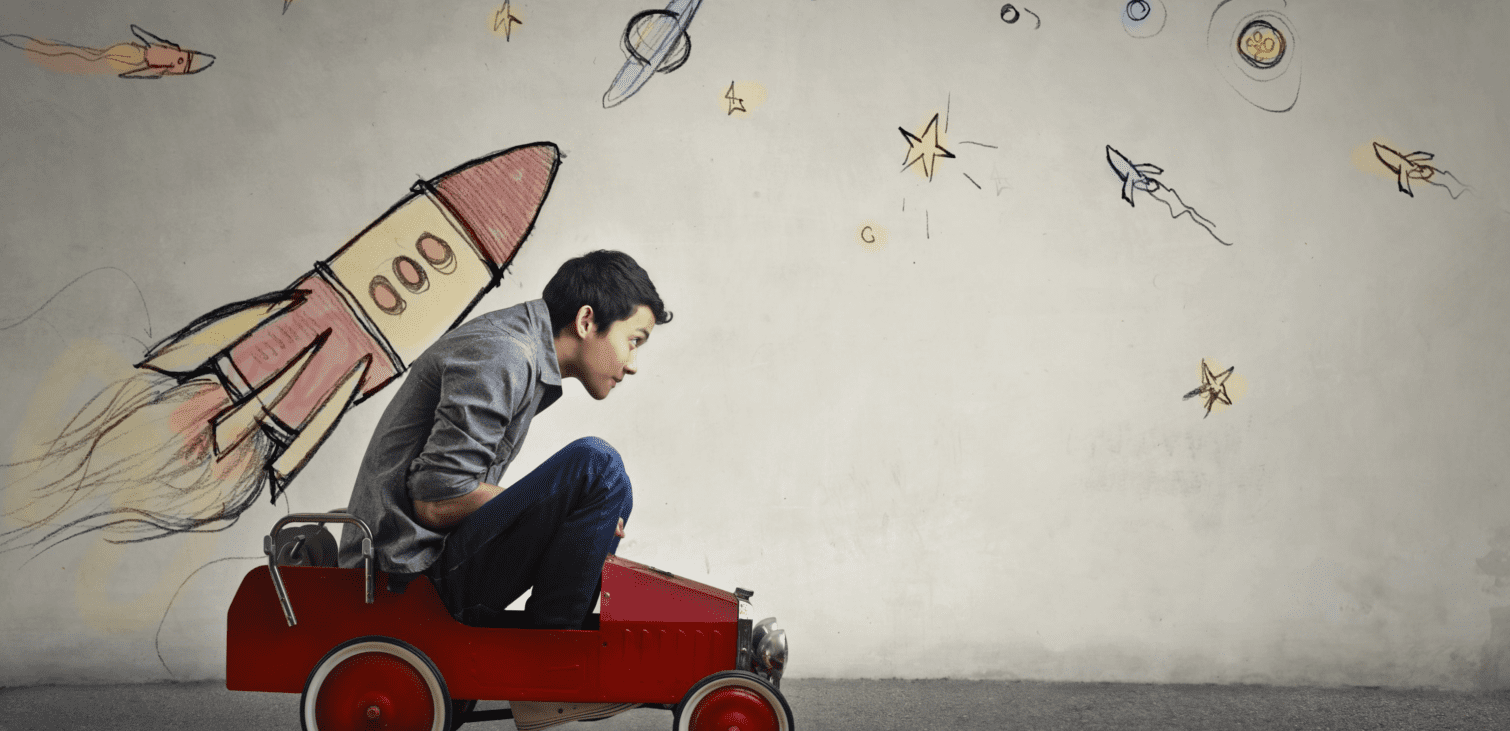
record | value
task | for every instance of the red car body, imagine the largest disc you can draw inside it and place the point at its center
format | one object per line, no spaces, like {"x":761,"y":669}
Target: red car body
{"x":657,"y":635}
{"x":659,"y":640}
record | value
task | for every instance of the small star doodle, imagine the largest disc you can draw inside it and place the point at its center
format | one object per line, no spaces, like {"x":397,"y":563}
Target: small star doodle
{"x":1213,"y":387}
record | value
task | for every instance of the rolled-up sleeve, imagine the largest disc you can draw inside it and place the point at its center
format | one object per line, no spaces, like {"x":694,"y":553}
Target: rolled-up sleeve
{"x":485,"y":383}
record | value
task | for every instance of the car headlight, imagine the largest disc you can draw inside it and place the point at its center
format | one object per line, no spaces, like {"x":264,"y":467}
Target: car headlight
{"x":769,"y":643}
{"x":762,"y":645}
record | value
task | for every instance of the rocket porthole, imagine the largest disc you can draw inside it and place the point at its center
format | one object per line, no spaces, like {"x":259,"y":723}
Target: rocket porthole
{"x":410,"y":274}
{"x":385,"y":296}
{"x":437,"y":252}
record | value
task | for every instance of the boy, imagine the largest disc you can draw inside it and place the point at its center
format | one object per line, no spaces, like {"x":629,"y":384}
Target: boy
{"x":430,"y":483}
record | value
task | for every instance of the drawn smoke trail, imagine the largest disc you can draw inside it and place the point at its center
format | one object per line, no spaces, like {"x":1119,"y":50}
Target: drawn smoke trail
{"x":137,"y":462}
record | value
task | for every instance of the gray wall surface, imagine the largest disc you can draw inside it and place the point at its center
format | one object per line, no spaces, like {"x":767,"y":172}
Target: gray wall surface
{"x":936,"y":423}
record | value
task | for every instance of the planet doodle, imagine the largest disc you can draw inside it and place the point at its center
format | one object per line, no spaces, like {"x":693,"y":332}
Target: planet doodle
{"x":654,"y":40}
{"x":1254,"y":48}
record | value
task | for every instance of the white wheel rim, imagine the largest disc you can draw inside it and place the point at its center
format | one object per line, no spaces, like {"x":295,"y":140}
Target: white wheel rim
{"x":432,"y":682}
{"x":685,"y":722}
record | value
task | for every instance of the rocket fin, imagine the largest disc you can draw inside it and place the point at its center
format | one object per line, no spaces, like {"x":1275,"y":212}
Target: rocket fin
{"x":1404,"y":178}
{"x":188,"y":350}
{"x":319,"y":426}
{"x":1127,"y":189}
{"x":150,"y":39}
{"x":232,"y":425}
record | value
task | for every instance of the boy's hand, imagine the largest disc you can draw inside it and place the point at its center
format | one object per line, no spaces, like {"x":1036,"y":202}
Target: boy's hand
{"x":619,"y":531}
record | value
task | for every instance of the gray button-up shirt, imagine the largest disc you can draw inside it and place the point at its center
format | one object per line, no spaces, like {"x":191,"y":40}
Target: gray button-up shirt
{"x":459,"y":418}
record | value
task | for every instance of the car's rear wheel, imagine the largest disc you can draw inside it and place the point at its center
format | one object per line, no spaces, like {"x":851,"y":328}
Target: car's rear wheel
{"x":375,"y":682}
{"x":733,"y":699}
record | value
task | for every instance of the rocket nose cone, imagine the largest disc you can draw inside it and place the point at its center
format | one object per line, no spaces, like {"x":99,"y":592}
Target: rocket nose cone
{"x":497,"y":197}
{"x":200,"y":62}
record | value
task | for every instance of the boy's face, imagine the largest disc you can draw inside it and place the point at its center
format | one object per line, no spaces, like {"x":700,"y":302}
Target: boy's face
{"x":608,"y":355}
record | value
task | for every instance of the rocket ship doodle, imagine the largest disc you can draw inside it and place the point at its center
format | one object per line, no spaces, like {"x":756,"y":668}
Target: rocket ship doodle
{"x":292,"y":362}
{"x":243,"y":397}
{"x":150,"y":58}
{"x":1133,"y":176}
{"x":1414,"y":166}
{"x":1141,"y":177}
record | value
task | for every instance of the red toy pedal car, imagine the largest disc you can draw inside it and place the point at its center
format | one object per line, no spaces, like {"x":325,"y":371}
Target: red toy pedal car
{"x":367,"y":657}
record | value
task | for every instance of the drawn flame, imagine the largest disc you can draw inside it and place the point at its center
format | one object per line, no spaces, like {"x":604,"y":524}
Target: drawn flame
{"x":135,"y":463}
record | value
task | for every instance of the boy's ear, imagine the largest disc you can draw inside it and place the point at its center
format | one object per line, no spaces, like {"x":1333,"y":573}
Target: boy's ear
{"x":583,"y":322}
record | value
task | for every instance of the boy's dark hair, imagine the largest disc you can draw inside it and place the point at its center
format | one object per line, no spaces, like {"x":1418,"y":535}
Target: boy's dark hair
{"x":610,"y":281}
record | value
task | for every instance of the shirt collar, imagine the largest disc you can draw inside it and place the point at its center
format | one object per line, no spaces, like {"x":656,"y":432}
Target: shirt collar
{"x":549,"y":368}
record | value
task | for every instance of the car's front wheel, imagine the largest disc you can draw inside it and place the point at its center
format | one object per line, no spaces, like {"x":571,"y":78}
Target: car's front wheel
{"x":733,"y":699}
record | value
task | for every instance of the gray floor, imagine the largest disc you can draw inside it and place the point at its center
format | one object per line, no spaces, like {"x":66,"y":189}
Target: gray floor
{"x":839,"y":704}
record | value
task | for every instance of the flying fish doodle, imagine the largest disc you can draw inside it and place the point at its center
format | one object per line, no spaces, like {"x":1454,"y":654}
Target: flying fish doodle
{"x":241,"y":398}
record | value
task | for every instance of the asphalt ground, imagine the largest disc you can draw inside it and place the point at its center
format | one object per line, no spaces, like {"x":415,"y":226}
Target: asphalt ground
{"x":820,"y":705}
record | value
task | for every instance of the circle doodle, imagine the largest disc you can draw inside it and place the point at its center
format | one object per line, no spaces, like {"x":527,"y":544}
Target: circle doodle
{"x":1143,"y":18}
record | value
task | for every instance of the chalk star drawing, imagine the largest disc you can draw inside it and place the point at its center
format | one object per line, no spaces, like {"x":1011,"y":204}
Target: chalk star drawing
{"x":735,"y":103}
{"x":924,"y":147}
{"x":505,"y":19}
{"x":1213,"y":387}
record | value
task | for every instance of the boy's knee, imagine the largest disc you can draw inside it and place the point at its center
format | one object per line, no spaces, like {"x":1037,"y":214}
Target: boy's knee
{"x":593,"y":446}
{"x":596,"y":452}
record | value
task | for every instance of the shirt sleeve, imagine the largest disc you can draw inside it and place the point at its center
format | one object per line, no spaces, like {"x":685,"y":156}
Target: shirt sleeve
{"x":484,"y":383}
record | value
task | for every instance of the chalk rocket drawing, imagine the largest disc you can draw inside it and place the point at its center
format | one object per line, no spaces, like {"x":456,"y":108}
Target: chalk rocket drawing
{"x":654,"y":40}
{"x":242,"y":397}
{"x":1414,"y":166}
{"x":1255,"y":50}
{"x":1140,"y":177}
{"x":149,"y":58}
{"x":1143,"y":18}
{"x":1213,"y":387}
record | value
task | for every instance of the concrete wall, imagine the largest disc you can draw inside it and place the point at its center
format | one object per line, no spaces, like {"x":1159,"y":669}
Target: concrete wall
{"x":951,"y":445}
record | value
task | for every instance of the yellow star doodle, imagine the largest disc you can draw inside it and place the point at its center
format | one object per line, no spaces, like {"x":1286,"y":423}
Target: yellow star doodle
{"x":735,"y":103}
{"x":1213,"y":386}
{"x":505,"y":19}
{"x":924,"y":147}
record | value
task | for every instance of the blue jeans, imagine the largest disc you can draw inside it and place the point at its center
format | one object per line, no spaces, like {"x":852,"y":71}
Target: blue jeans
{"x":549,"y":532}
